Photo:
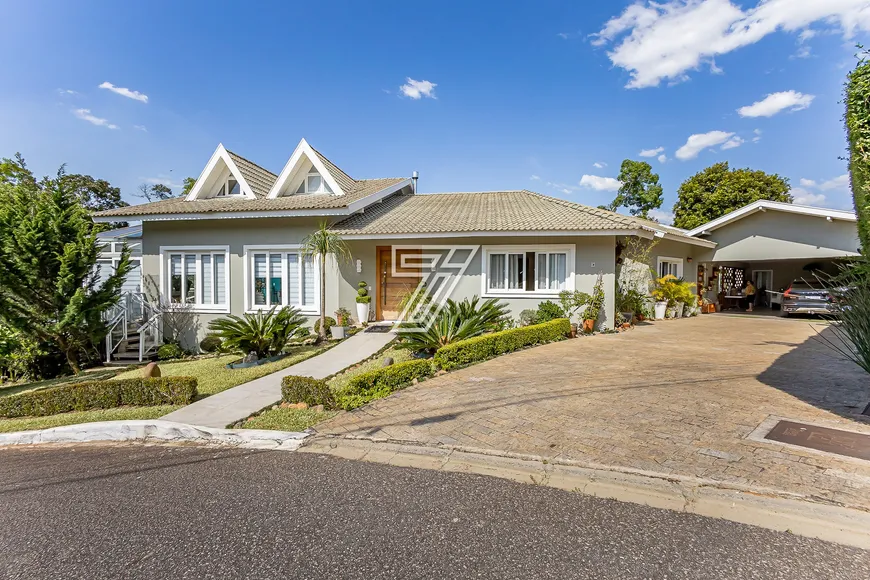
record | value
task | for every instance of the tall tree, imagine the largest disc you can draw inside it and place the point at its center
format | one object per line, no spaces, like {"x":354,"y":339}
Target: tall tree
{"x":640,"y":191}
{"x":718,"y":190}
{"x":858,"y":130}
{"x":187,"y":185}
{"x":48,"y":255}
{"x":15,"y":171}
{"x":93,"y":194}
{"x":155,"y":192}
{"x":321,"y":244}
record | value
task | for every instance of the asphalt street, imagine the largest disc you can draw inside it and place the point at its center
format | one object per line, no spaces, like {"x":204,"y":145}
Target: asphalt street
{"x":193,"y":513}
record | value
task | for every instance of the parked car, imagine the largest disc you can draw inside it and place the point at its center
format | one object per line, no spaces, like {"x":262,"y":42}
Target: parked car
{"x":803,"y":297}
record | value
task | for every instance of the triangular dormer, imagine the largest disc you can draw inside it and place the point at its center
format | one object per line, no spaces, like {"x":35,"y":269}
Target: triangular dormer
{"x":221,"y":178}
{"x":307,"y":172}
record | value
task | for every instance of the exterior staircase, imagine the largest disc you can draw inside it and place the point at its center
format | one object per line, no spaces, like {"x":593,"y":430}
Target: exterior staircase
{"x":135,"y":331}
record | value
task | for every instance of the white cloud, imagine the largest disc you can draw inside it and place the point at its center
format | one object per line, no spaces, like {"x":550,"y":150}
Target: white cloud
{"x":600,"y":183}
{"x":125,"y":92}
{"x":651,"y":152}
{"x":776,"y":103}
{"x":140,"y":128}
{"x":663,"y":41}
{"x":66,"y":92}
{"x":535,"y":178}
{"x":661,"y":216}
{"x":700,"y":141}
{"x":662,"y":158}
{"x":85,"y":115}
{"x":418,"y":89}
{"x":807,"y":182}
{"x":599,"y":165}
{"x":167,"y":181}
{"x":731,"y":143}
{"x":563,"y":35}
{"x":841,"y":182}
{"x":757,"y":137}
{"x":804,"y":197}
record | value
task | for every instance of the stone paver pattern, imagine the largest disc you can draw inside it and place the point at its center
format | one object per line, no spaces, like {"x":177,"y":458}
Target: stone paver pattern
{"x":674,"y":397}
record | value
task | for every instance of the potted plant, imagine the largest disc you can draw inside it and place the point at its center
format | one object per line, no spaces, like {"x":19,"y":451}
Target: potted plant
{"x":342,"y":319}
{"x":593,"y":308}
{"x":363,"y":300}
{"x":571,"y":303}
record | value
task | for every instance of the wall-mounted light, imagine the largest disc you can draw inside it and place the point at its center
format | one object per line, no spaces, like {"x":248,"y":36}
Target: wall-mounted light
{"x":359,"y":266}
{"x":689,"y":260}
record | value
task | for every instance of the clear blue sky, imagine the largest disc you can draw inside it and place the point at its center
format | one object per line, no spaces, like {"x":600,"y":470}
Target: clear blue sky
{"x":527,"y":94}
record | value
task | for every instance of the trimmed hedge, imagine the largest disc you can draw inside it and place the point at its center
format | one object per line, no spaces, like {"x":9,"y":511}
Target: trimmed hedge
{"x":479,"y":348}
{"x":100,"y":395}
{"x":382,"y":382}
{"x":306,"y":390}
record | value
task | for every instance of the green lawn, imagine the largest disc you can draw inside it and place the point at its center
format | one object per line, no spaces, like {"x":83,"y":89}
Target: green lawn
{"x":339,"y":381}
{"x":300,"y":419}
{"x":97,"y":374}
{"x":118,"y":414}
{"x":213,"y":376}
{"x":288,"y":419}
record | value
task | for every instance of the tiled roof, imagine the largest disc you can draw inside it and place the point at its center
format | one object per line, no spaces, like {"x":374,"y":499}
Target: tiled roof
{"x":362,"y":188}
{"x":261,"y":180}
{"x":481,"y":212}
{"x":345,"y":181}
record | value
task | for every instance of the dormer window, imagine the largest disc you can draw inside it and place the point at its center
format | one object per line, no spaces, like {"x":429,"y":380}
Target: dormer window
{"x":231,"y":187}
{"x":314,"y":183}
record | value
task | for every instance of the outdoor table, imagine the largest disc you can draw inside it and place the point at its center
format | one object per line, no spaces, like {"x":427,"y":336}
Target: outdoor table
{"x":733,"y":301}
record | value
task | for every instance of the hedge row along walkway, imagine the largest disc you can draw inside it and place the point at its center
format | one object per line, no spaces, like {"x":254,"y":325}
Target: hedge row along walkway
{"x":677,"y":397}
{"x":242,"y":401}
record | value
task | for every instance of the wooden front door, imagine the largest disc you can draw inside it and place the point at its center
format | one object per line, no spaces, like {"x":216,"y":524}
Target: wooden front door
{"x":392,"y":288}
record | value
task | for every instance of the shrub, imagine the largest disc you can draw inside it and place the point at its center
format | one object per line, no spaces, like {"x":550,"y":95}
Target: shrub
{"x":548,"y":311}
{"x":455,"y":321}
{"x":100,"y":395}
{"x":488,"y":346}
{"x":169,"y":351}
{"x":596,"y":302}
{"x":210,"y":343}
{"x":363,"y":294}
{"x":528,"y":316}
{"x":572,"y":302}
{"x":380,"y":383}
{"x":266,"y":333}
{"x":330,"y":322}
{"x":307,"y":390}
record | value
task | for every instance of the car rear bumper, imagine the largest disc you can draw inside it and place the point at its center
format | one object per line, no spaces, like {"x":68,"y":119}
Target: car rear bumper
{"x":809,"y":308}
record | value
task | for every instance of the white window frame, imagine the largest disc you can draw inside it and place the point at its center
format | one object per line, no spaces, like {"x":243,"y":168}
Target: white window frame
{"x":670,"y":260}
{"x":283,"y":249}
{"x":570,"y":282}
{"x":224,"y":191}
{"x":323,"y":185}
{"x":198,"y":251}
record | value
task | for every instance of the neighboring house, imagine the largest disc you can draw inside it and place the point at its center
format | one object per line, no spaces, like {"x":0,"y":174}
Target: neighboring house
{"x":232,"y":244}
{"x":111,"y":243}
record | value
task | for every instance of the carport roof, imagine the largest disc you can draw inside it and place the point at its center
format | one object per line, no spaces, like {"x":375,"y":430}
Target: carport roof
{"x":764,"y":205}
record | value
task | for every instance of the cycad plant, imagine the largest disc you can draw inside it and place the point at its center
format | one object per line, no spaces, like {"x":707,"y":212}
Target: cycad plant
{"x":265,"y":333}
{"x":321,"y":244}
{"x":456,"y":321}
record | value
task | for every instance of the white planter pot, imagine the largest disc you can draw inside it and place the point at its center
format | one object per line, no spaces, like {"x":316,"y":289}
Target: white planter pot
{"x":660,"y":309}
{"x":338,"y":332}
{"x":362,"y":312}
{"x":679,"y":310}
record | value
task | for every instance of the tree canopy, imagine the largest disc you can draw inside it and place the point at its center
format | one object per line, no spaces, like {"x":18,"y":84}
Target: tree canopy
{"x":640,"y":191}
{"x":48,"y":254}
{"x":718,"y":190}
{"x":857,"y":97}
{"x":155,"y":192}
{"x":187,"y":185}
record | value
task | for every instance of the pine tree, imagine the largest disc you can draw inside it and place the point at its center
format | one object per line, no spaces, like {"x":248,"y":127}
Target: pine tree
{"x":48,"y":255}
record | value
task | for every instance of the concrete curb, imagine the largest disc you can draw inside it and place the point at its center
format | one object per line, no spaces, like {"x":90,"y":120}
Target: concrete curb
{"x":765,"y":508}
{"x":157,"y":432}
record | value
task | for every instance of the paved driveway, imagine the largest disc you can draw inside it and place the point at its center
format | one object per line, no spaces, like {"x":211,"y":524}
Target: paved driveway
{"x":677,"y":397}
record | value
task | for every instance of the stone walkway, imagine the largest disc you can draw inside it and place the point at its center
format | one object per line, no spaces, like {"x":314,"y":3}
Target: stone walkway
{"x":677,"y":397}
{"x":227,"y":407}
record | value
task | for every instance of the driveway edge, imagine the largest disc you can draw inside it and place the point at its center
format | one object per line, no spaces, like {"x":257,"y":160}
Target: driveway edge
{"x":771,"y":509}
{"x":156,"y":431}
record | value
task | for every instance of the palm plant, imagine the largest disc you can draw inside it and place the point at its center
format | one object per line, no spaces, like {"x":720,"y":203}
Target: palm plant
{"x":321,"y":244}
{"x":456,"y":321}
{"x":265,"y":333}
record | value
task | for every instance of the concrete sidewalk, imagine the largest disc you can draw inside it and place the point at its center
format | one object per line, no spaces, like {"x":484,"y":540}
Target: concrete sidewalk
{"x":235,"y":404}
